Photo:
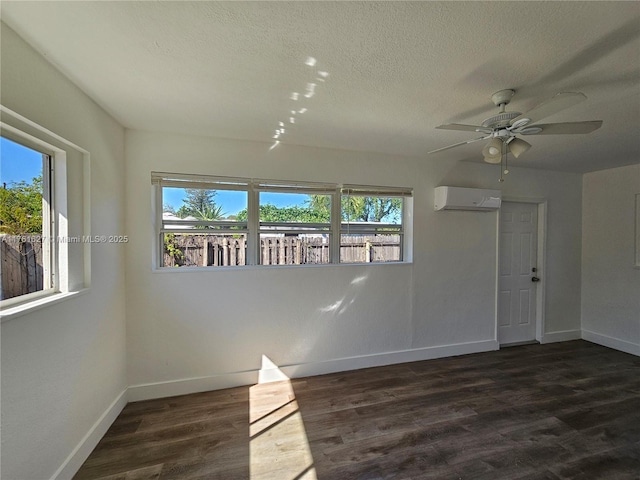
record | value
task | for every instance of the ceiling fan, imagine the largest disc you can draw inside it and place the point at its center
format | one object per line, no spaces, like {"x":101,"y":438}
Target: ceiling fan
{"x":502,"y":130}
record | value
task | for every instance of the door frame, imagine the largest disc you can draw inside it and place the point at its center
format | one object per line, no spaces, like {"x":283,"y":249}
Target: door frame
{"x":541,"y":261}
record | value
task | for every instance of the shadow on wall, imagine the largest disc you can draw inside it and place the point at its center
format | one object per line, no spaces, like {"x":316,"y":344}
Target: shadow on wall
{"x":326,"y":326}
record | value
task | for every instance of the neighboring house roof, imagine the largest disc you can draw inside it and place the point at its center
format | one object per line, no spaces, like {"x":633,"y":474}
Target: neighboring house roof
{"x":168,"y":216}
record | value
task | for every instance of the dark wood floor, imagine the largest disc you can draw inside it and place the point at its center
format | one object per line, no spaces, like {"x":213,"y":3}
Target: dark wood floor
{"x":559,"y":411}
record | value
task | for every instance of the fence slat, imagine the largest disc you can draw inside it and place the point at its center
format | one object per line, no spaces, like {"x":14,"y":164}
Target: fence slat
{"x":22,"y":270}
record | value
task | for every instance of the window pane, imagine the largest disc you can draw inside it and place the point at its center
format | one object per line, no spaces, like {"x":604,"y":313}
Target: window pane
{"x":294,"y":208}
{"x":203,"y":204}
{"x":302,"y":249}
{"x":21,"y":226}
{"x":370,"y":248}
{"x":356,"y":208}
{"x":204,"y":250}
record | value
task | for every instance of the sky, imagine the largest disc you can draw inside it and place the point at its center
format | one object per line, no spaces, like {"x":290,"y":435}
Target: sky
{"x":18,"y":162}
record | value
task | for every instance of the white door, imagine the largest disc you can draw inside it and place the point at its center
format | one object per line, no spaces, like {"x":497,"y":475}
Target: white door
{"x":517,"y":268}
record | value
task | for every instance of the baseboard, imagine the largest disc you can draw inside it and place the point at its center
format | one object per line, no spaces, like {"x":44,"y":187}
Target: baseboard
{"x":611,"y":342}
{"x":79,"y":454}
{"x":185,"y":386}
{"x":387,"y":358}
{"x":561,"y":336}
{"x":236,"y":379}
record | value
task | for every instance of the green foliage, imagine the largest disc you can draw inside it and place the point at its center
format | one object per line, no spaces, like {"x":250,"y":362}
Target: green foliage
{"x":364,"y":209}
{"x":199,"y":204}
{"x":182,"y":212}
{"x":318,"y":210}
{"x":171,"y":247}
{"x":198,"y":200}
{"x":371,"y":209}
{"x":210,"y":212}
{"x":271,"y":213}
{"x":320,"y":204}
{"x":21,"y":208}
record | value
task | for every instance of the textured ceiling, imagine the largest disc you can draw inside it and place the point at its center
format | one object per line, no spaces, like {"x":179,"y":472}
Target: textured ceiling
{"x":395,"y":70}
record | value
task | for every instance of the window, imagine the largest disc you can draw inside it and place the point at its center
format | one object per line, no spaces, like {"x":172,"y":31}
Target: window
{"x":372,"y":227}
{"x":294,"y":223}
{"x":44,"y":224}
{"x":204,"y":222}
{"x":222,"y":221}
{"x":26,"y":226}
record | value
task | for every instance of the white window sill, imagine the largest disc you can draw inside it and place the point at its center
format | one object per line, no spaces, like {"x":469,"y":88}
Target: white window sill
{"x":10,"y":313}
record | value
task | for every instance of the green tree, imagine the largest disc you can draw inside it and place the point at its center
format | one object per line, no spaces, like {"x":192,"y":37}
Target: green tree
{"x":371,"y":209}
{"x":320,"y":204}
{"x":359,"y":208}
{"x":209,"y":212}
{"x":21,"y":207}
{"x":171,"y":247}
{"x":182,"y":212}
{"x":198,"y":199}
{"x":318,"y":210}
{"x":295,"y":213}
{"x":200,"y":204}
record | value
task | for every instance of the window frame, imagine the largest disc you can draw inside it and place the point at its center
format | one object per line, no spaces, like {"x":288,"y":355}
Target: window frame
{"x":162,"y":180}
{"x":367,"y":228}
{"x":293,"y":228}
{"x":254,"y":227}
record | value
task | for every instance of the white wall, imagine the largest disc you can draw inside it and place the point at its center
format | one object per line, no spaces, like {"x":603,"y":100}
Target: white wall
{"x":561,"y":272}
{"x":63,"y":367}
{"x":188,"y":331}
{"x":610,"y":283}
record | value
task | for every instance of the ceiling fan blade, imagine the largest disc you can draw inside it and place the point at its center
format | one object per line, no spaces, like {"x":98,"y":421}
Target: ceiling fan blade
{"x":457,"y":145}
{"x":563,"y":128}
{"x":465,"y":128}
{"x":554,"y":105}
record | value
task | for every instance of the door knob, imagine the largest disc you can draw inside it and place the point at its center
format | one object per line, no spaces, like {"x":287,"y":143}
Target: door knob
{"x":535,"y":279}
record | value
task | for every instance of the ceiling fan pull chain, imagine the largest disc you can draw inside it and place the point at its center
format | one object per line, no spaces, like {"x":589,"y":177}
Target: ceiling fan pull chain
{"x":503,"y":162}
{"x":501,"y":179}
{"x":506,"y":165}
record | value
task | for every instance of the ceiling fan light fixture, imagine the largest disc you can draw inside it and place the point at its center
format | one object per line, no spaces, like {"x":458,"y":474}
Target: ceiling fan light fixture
{"x":492,"y":151}
{"x":518,"y":146}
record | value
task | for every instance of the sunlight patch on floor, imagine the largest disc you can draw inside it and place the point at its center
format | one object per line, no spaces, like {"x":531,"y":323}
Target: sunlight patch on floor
{"x":278,"y":447}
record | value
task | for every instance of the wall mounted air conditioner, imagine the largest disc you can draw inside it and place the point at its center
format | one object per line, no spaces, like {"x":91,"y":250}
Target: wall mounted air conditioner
{"x":459,"y":198}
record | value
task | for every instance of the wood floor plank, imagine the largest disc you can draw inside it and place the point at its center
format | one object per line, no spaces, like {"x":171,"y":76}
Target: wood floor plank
{"x":533,"y":412}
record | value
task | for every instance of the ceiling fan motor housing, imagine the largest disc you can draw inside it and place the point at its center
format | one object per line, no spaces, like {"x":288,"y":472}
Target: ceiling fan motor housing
{"x":501,"y":120}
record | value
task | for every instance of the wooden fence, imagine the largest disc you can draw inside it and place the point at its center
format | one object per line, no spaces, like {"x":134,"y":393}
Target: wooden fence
{"x":214,"y":250}
{"x":21,"y":265}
